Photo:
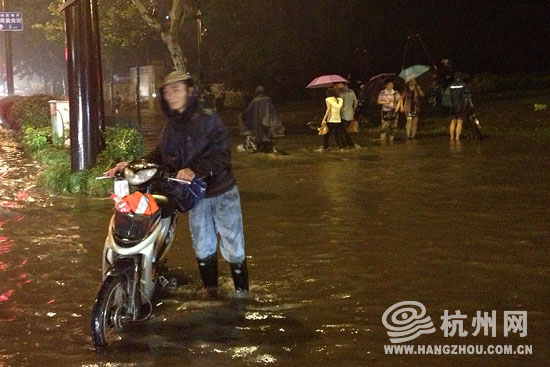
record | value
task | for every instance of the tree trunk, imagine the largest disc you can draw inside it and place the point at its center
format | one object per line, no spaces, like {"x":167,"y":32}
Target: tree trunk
{"x":176,"y":52}
{"x":180,"y":11}
{"x":111,"y":84}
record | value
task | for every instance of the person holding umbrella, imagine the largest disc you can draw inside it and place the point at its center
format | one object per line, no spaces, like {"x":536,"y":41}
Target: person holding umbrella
{"x":332,"y":119}
{"x":411,"y":107}
{"x":391,"y":103}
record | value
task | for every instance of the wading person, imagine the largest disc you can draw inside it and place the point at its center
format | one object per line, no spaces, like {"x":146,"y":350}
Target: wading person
{"x":117,"y":103}
{"x":390,"y":100}
{"x":195,"y":143}
{"x":260,"y":120}
{"x":332,"y":119}
{"x":347,"y":113}
{"x":411,"y":107}
{"x":461,"y":100}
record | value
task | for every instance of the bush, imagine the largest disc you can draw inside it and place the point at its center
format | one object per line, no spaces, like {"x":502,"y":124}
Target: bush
{"x":122,"y":121}
{"x":121,"y":144}
{"x":35,"y":139}
{"x":32,"y":111}
{"x":6,"y":110}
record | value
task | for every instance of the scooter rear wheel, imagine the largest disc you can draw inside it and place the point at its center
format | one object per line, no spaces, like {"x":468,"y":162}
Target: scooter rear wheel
{"x":110,"y":310}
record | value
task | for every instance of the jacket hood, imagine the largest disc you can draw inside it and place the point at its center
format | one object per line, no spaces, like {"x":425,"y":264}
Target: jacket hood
{"x":260,"y":91}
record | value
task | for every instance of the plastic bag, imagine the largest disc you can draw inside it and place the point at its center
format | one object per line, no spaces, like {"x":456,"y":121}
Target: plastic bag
{"x":186,"y":196}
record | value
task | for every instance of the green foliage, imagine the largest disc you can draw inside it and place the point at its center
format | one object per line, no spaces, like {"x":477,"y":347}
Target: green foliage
{"x":121,"y":144}
{"x":95,"y":187}
{"x":122,"y":121}
{"x":122,"y":28}
{"x":56,"y":170}
{"x":17,"y":111}
{"x":35,"y":139}
{"x":33,"y":111}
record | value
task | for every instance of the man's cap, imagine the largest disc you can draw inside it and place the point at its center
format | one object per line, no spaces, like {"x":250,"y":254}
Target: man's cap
{"x":176,"y":76}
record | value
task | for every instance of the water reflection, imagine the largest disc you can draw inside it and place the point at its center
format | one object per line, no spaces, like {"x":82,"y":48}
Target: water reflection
{"x":332,"y":241}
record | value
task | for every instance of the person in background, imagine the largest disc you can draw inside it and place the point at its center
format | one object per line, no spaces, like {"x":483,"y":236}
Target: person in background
{"x":261,"y":122}
{"x":348,"y":110}
{"x":411,"y":107}
{"x":461,"y":100}
{"x":391,"y":102}
{"x":220,"y":99}
{"x":209,"y":99}
{"x":333,"y":119}
{"x":445,"y":73}
{"x":117,"y":102}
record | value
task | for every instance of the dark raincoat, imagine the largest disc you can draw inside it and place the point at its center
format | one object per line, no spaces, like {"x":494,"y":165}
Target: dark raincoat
{"x":198,"y":140}
{"x":260,"y":118}
{"x":459,"y":97}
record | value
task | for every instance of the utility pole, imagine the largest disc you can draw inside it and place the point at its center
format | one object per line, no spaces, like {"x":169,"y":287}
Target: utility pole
{"x":9,"y":55}
{"x":84,"y":81}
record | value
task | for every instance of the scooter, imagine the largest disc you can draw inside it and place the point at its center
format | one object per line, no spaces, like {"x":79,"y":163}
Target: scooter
{"x":134,"y":254}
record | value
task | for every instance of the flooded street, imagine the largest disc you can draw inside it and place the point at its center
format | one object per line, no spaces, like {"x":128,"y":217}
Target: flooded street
{"x":333,"y":239}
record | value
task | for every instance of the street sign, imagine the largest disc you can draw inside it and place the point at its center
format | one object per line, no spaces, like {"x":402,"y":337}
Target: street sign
{"x":11,"y":21}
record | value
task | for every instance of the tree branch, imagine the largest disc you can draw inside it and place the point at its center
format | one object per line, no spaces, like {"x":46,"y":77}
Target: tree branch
{"x":181,"y":10}
{"x":146,"y":16}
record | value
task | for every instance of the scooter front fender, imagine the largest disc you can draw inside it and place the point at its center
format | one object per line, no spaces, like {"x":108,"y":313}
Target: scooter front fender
{"x":121,"y":266}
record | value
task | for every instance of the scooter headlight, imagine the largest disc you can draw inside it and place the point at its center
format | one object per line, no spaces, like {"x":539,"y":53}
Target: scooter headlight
{"x":139,"y":177}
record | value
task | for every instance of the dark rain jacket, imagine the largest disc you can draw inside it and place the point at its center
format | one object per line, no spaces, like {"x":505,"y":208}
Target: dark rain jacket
{"x":460,"y":96}
{"x":260,"y":118}
{"x":196,"y":139}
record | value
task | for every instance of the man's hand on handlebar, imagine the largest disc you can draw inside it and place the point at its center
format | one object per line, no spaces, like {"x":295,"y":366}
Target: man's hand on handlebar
{"x":185,"y":174}
{"x":118,"y":168}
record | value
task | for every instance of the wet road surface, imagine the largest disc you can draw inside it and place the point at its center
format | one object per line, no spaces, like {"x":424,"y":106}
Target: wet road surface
{"x":333,"y":239}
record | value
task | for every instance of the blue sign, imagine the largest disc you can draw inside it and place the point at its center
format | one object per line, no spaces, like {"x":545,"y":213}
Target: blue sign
{"x":11,"y":21}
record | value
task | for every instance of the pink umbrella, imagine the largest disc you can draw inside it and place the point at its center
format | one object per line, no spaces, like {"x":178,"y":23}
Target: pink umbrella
{"x":326,"y":81}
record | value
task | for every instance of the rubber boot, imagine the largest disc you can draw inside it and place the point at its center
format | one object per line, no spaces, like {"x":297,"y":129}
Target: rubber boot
{"x":239,"y":272}
{"x":208,"y":268}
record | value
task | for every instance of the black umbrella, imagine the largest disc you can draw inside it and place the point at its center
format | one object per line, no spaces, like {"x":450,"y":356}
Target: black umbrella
{"x":377,"y":83}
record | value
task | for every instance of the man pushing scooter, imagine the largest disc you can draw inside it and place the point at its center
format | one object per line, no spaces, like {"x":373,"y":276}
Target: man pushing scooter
{"x":195,"y":143}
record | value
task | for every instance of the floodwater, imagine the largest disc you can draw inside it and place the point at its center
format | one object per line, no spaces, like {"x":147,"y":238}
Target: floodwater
{"x":333,"y":239}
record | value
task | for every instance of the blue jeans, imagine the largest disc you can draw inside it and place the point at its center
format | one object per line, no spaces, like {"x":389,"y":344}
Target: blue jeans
{"x":218,"y":215}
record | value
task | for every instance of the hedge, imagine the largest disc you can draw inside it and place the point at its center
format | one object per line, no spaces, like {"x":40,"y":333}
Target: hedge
{"x":29,"y":116}
{"x":7,"y":111}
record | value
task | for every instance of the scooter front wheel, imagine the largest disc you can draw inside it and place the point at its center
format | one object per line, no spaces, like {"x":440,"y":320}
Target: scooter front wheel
{"x":110,"y":310}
